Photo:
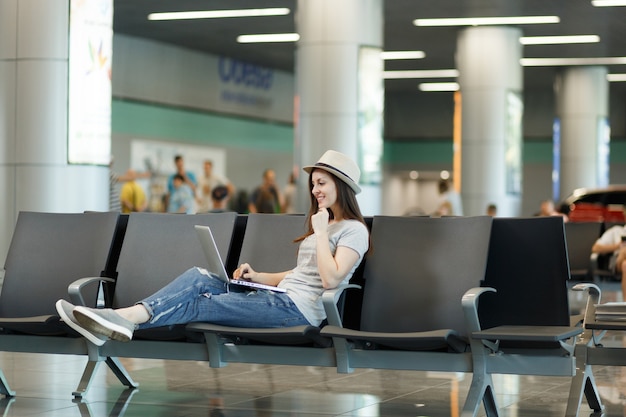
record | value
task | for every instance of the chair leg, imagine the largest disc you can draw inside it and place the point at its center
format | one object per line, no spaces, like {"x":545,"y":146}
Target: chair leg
{"x":86,"y":379}
{"x":92,"y":366}
{"x":583,"y":383}
{"x":489,"y":401}
{"x":120,"y":372}
{"x":4,"y":386}
{"x":481,"y":390}
{"x":592,"y":394}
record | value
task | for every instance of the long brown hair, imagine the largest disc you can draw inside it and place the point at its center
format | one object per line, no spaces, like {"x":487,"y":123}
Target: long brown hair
{"x":346,"y":198}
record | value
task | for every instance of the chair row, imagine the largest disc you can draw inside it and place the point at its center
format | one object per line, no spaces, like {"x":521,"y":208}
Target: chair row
{"x":460,"y":294}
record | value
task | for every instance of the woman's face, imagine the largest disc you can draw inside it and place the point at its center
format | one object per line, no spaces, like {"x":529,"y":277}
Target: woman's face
{"x":324,"y":189}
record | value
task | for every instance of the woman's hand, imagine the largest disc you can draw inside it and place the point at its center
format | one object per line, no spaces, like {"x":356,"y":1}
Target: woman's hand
{"x":245,"y":271}
{"x":319,"y":221}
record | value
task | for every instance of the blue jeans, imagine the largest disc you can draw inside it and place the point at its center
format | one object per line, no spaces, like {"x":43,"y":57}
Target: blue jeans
{"x":199,"y":296}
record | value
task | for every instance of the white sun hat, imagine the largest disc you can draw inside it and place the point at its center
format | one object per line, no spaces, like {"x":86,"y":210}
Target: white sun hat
{"x":340,"y":166}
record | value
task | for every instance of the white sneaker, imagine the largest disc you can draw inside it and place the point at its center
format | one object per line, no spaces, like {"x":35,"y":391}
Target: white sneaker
{"x":65,"y":311}
{"x":105,"y":321}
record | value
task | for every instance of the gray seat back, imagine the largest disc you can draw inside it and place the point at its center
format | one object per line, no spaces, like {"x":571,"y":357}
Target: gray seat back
{"x":528,"y":267}
{"x":268,"y":242}
{"x":580,"y":237}
{"x":418,"y":270}
{"x":158,"y":247}
{"x":48,"y":252}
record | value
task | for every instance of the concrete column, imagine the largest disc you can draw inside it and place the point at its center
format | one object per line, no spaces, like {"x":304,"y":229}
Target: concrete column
{"x":34,"y":170}
{"x":491,"y":84}
{"x":582,"y":100}
{"x":336,"y":40}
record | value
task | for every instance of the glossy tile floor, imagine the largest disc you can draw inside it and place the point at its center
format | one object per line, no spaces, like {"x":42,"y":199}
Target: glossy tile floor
{"x":44,"y":384}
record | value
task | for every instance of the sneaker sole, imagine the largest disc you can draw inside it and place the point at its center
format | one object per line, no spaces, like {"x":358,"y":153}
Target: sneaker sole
{"x":84,"y":332}
{"x":100,"y":325}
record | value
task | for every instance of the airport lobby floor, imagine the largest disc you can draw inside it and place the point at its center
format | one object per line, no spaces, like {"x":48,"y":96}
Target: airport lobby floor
{"x":44,"y":384}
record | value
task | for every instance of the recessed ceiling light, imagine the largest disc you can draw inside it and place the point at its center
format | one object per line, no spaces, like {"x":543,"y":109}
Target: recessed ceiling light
{"x":438,"y":86}
{"x":616,"y":77}
{"x":389,"y":55}
{"x":608,"y":3}
{"x":556,"y":62}
{"x":442,"y":73}
{"x":554,"y":40}
{"x":483,"y":21}
{"x":219,"y":14}
{"x":268,"y":38}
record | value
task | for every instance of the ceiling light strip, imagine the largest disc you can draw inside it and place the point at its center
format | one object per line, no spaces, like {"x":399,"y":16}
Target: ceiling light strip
{"x":486,"y":21}
{"x":219,"y":14}
{"x":616,"y":77}
{"x":556,"y":62}
{"x":438,"y":86}
{"x":269,"y":38}
{"x":392,"y":55}
{"x":442,"y":73}
{"x":557,"y":40}
{"x":608,"y":3}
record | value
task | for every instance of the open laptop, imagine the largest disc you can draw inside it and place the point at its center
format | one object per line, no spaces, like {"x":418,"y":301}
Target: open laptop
{"x":216,"y":266}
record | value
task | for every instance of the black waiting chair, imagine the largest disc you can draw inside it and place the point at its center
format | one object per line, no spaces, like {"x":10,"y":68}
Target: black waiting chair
{"x":157,"y":248}
{"x":48,"y":252}
{"x":527,"y":328}
{"x":412,"y":316}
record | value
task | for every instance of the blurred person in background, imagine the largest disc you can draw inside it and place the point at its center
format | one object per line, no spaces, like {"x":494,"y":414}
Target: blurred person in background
{"x":546,"y":208}
{"x":613,"y":243}
{"x":289,"y":195}
{"x":219,"y":197}
{"x":181,"y":198}
{"x":266,"y":198}
{"x":207,"y":183}
{"x":188,"y":178}
{"x":449,"y":203}
{"x":132,"y":196}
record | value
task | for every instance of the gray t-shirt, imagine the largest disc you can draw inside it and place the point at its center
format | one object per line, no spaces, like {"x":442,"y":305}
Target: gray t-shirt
{"x":304,"y":285}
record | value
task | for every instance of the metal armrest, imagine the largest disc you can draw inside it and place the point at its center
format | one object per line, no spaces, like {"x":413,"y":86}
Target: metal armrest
{"x":470,"y":307}
{"x":594,"y":294}
{"x":74,"y":290}
{"x":330,"y":298}
{"x":593,"y":335}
